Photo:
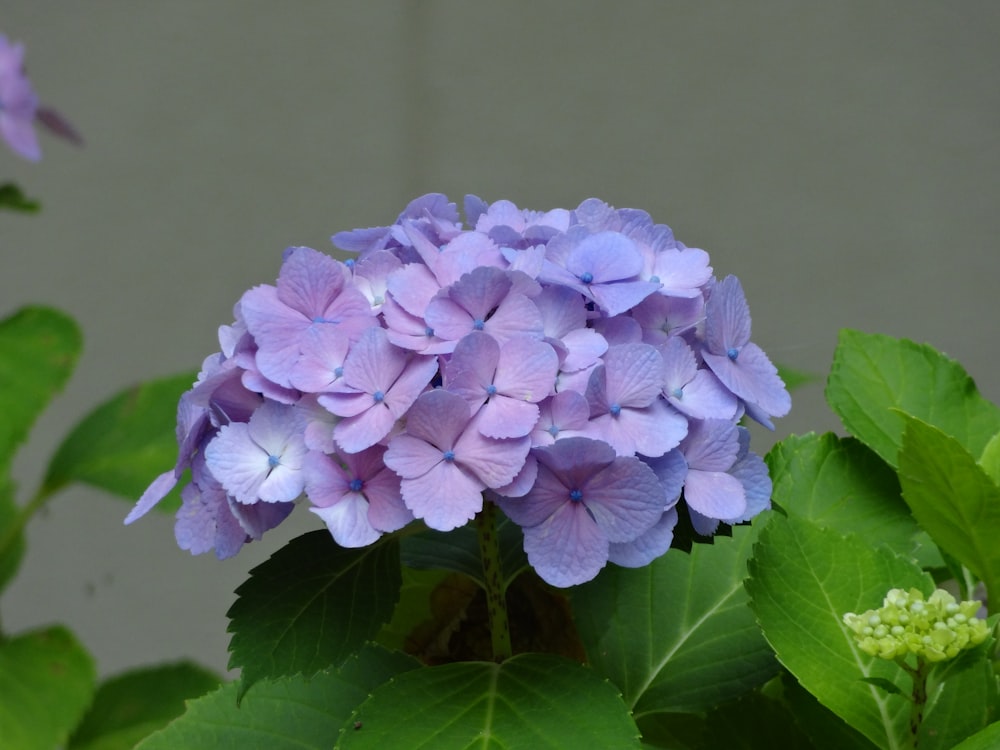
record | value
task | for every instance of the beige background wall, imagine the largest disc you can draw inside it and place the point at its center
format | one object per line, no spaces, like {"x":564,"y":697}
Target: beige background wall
{"x":841,"y":158}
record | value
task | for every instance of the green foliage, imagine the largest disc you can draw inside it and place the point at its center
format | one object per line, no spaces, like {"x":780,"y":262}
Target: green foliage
{"x":310,"y":606}
{"x":286,"y":713}
{"x":11,"y":550}
{"x":532,"y":700}
{"x":123,"y":443}
{"x":133,"y":705}
{"x":676,"y":635}
{"x":954,"y":499}
{"x":876,"y":379}
{"x":841,"y":484}
{"x":47,"y":681}
{"x":14,"y":199}
{"x":803,"y":578}
{"x":39,"y":347}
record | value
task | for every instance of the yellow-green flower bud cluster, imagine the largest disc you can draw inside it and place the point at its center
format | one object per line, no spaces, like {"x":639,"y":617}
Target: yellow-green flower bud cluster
{"x":935,"y":629}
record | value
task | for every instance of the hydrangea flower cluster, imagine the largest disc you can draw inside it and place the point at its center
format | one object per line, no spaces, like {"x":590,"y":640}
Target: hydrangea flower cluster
{"x":579,"y":368}
{"x":934,"y":629}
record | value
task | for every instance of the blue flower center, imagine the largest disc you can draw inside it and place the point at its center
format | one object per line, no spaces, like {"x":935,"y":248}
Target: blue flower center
{"x":428,"y":331}
{"x":273,"y":461}
{"x":349,"y":262}
{"x":677,"y":393}
{"x":338,"y":372}
{"x":586,"y":277}
{"x":378,"y":396}
{"x":732,"y":353}
{"x":654,"y":279}
{"x":553,"y":430}
{"x":321,"y":319}
{"x":576,"y":495}
{"x":615,"y":410}
{"x":491,"y":389}
{"x":449,"y":456}
{"x":356,"y":485}
{"x":478,"y":324}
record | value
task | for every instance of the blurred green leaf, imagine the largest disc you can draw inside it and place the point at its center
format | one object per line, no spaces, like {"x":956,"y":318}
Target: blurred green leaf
{"x":955,"y":501}
{"x":795,"y":379}
{"x":536,"y":701}
{"x":288,"y":713}
{"x":803,"y":578}
{"x":123,"y":444}
{"x":13,"y":548}
{"x":135,"y":704}
{"x":310,"y":606}
{"x":876,"y":379}
{"x":39,"y":347}
{"x":46,"y":683}
{"x":14,"y":199}
{"x":676,"y":635}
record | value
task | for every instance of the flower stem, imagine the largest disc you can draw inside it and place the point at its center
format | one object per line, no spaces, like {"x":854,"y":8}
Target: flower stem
{"x":918,"y":698}
{"x":496,"y":602}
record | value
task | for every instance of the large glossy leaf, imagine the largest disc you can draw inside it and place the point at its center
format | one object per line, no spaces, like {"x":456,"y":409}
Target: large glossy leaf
{"x":536,"y":701}
{"x":310,"y":606}
{"x":875,"y":379}
{"x":803,"y":578}
{"x":841,"y":484}
{"x":288,"y":713}
{"x":953,"y":499}
{"x":39,"y":347}
{"x":123,"y":444}
{"x":133,"y":705}
{"x":676,"y":635}
{"x":46,"y":682}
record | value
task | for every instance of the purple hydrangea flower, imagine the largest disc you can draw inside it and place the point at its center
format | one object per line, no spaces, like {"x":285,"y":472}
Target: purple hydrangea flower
{"x":260,"y":459}
{"x":18,"y":103}
{"x":740,"y":364}
{"x":585,"y":498}
{"x":445,"y":462}
{"x":359,"y":500}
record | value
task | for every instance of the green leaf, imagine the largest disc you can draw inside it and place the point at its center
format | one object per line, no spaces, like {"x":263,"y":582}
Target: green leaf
{"x":672,"y":731}
{"x":803,"y":579}
{"x":794,"y":379}
{"x":311,"y":605}
{"x":458,"y":551}
{"x":11,"y":197}
{"x":753,"y":722}
{"x":289,"y":713}
{"x":990,"y":460}
{"x":966,"y":703}
{"x":676,"y":635}
{"x":39,"y":347}
{"x":135,"y":704}
{"x":123,"y":444}
{"x":953,"y":499}
{"x":11,"y":550}
{"x":533,"y":701}
{"x":841,"y":484}
{"x":825,"y":729}
{"x":874,"y":378}
{"x":988,"y":739}
{"x":46,"y":680}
